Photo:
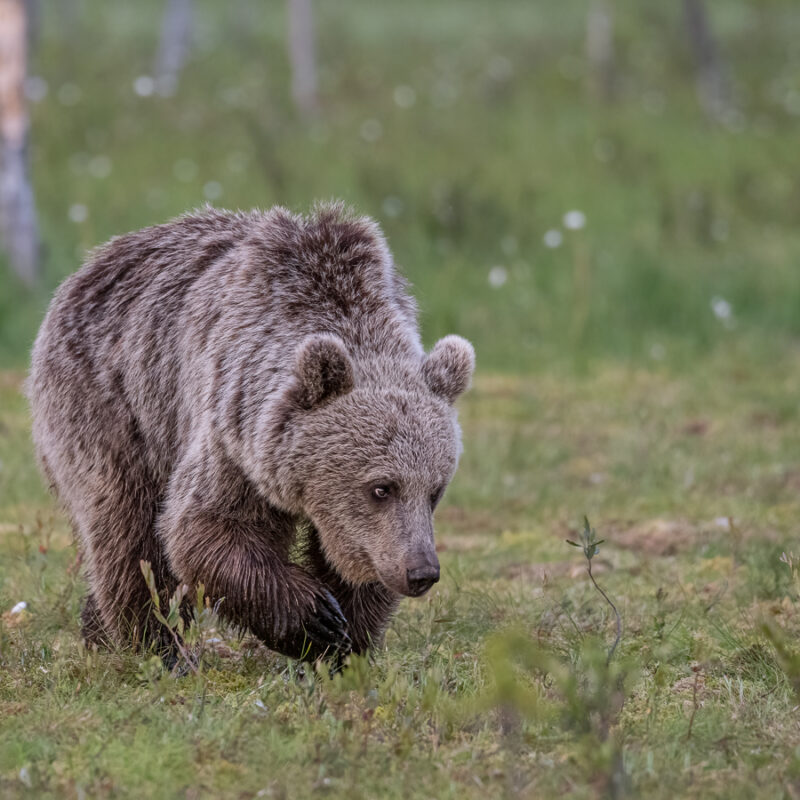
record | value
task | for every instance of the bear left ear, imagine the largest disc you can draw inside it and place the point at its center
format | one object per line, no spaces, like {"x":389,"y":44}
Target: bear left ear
{"x":448,"y":367}
{"x":323,"y":370}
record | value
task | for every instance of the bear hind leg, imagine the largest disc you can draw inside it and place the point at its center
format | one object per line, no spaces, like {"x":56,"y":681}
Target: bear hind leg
{"x":92,"y":630}
{"x":118,"y":527}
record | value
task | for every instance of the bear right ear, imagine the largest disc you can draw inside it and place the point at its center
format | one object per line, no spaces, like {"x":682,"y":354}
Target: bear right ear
{"x":323,"y":370}
{"x":448,"y":368}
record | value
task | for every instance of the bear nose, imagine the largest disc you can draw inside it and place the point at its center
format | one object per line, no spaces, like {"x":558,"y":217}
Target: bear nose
{"x":420,"y":579}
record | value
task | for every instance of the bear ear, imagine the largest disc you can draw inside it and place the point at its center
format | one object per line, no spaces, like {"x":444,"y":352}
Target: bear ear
{"x":323,"y":370}
{"x":448,"y":367}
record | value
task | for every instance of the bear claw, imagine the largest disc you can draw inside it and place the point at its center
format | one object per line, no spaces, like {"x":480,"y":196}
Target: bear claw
{"x":325,"y":630}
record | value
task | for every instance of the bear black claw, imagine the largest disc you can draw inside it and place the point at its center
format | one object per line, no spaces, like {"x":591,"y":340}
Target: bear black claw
{"x":330,"y":611}
{"x":327,"y":628}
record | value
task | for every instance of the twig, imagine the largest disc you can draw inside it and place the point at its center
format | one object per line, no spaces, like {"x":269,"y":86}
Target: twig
{"x":616,"y":614}
{"x":176,"y":600}
{"x":694,"y":701}
{"x":570,"y":618}
{"x":181,"y":648}
{"x":591,"y":545}
{"x":716,"y":598}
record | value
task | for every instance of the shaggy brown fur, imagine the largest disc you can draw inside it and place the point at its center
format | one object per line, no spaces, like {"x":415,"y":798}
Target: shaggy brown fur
{"x":202,"y":389}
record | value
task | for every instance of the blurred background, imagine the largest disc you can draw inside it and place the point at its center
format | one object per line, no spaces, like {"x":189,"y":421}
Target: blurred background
{"x":561,"y":182}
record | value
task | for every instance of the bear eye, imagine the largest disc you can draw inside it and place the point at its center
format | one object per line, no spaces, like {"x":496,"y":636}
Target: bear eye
{"x":381,"y":492}
{"x":436,"y":496}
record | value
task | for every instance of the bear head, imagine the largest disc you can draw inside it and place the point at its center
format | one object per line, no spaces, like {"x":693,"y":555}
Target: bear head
{"x":369,"y":465}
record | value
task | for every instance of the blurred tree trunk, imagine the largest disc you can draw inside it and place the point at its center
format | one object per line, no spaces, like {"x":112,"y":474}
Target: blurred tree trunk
{"x":18,"y":227}
{"x":302,"y":56}
{"x":173,"y":49}
{"x":712,"y":84}
{"x":600,"y":49}
{"x":34,"y":20}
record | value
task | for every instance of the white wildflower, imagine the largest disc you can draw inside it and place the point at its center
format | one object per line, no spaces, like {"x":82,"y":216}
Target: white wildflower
{"x":78,"y":213}
{"x":497,"y":277}
{"x":574,"y":220}
{"x":371,"y":130}
{"x":404,"y":96}
{"x":144,"y":86}
{"x":213,"y":190}
{"x":553,"y":238}
{"x":722,"y":308}
{"x":99,"y":167}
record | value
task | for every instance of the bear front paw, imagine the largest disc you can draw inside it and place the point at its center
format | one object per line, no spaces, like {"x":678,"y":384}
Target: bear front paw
{"x":317,"y":628}
{"x":326,"y":629}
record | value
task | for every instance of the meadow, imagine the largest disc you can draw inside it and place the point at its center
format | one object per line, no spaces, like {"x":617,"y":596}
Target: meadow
{"x":638,"y":363}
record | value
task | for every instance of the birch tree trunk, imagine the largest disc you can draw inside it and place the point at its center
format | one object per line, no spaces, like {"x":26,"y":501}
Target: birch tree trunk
{"x":600,"y":49}
{"x":173,"y":49}
{"x":712,"y":84}
{"x":302,"y":56}
{"x":18,"y":228}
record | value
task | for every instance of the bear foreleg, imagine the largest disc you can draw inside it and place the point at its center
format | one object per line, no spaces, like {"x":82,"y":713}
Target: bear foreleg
{"x":292,"y":612}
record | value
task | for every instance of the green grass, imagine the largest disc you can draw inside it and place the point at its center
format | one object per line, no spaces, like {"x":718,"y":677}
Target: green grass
{"x":495,"y":683}
{"x":500,"y":142}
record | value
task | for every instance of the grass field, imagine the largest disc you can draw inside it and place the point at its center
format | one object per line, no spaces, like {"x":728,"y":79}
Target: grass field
{"x":465,"y":128}
{"x":495,"y":683}
{"x":644,"y":372}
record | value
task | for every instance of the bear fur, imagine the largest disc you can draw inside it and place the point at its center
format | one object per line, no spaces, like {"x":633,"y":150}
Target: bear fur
{"x":202,"y":390}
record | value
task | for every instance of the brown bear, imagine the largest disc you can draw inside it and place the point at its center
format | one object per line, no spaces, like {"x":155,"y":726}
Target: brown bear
{"x":202,"y":390}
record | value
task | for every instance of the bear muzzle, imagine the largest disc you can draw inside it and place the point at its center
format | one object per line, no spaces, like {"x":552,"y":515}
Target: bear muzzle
{"x":420,"y":578}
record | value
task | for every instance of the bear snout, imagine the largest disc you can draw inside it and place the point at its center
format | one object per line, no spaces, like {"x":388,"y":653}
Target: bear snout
{"x":420,"y":578}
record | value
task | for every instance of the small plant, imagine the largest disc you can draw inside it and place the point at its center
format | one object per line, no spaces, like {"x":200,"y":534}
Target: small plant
{"x":794,"y":568}
{"x":535,"y":691}
{"x":187,"y":639}
{"x":786,"y":652}
{"x":591,"y":547}
{"x":582,"y":692}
